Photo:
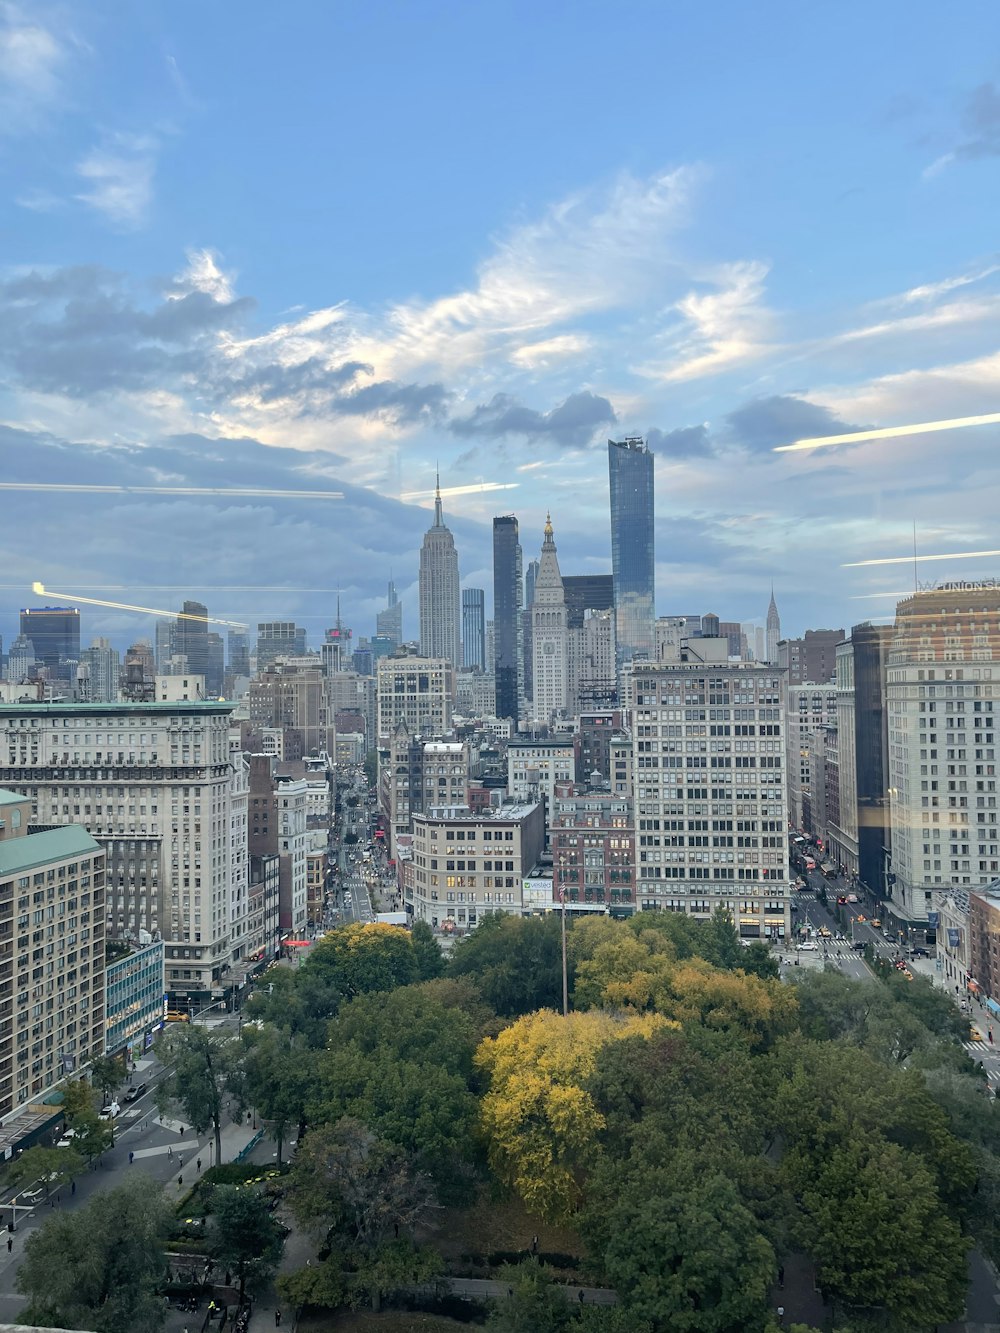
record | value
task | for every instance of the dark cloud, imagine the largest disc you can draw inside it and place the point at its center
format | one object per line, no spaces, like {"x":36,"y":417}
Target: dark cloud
{"x":573,"y":422}
{"x":400,"y":402}
{"x":272,"y":382}
{"x":765,"y":423}
{"x":685,"y":442}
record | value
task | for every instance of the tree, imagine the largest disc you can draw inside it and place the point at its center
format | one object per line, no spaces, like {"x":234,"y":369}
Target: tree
{"x":680,"y":1247}
{"x":516,"y":962}
{"x":537,"y":1305}
{"x":52,"y":1165}
{"x":245,"y":1235}
{"x":78,"y":1099}
{"x":205,"y":1068}
{"x":427,"y":956}
{"x":99,"y":1267}
{"x":539,"y":1120}
{"x":346,"y":1180}
{"x":757,"y":1011}
{"x":279,"y":1071}
{"x":106,"y":1075}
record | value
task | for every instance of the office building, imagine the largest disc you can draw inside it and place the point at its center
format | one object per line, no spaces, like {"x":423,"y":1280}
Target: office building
{"x":134,"y":988}
{"x":549,"y":636}
{"x":389,"y":623}
{"x":98,"y":673}
{"x":535,"y":766}
{"x":278,"y":826}
{"x":474,"y":629}
{"x":507,"y":628}
{"x":475,"y":694}
{"x":290,"y":695}
{"x":416,"y":690}
{"x":812,"y":659}
{"x":593,"y":850}
{"x":51,"y":993}
{"x":20,"y":660}
{"x":596,"y":730}
{"x":530,"y":575}
{"x":587,"y":592}
{"x":773,"y":631}
{"x":466,"y":865}
{"x":710,"y":792}
{"x":811,"y":711}
{"x":630,"y":470}
{"x":870,"y":646}
{"x":440,"y":598}
{"x":191,"y":638}
{"x":593,"y":681}
{"x":239,"y":653}
{"x":155,"y":785}
{"x":942,"y":690}
{"x":165,"y":645}
{"x":278,"y":638}
{"x":54,"y":633}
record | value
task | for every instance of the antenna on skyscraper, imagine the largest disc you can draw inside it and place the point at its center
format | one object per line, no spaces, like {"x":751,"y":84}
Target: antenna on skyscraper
{"x":914,"y":555}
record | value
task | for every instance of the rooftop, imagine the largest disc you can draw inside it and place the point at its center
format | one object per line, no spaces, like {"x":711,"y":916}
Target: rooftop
{"x":113,"y":710}
{"x":12,"y":797}
{"x":39,"y":849}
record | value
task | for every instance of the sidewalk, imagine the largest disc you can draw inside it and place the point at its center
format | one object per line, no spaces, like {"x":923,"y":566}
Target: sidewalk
{"x":299,"y":1249}
{"x":190,"y":1149}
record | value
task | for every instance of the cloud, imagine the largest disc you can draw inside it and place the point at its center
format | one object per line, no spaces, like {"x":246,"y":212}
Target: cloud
{"x":32,"y":62}
{"x":764,"y":423}
{"x":119,"y":175}
{"x":981,"y":130}
{"x":572,"y":423}
{"x":685,"y":442}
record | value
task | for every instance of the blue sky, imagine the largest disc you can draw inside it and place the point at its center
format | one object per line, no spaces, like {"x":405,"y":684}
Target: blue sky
{"x":319,"y":245}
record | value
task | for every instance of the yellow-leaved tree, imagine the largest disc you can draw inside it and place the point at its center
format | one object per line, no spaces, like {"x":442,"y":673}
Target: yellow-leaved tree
{"x":540,"y":1122}
{"x":756,"y":1010}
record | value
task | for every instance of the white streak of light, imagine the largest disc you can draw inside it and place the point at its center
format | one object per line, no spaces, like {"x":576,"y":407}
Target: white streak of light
{"x":237,"y":492}
{"x":912,"y":559}
{"x":40,"y":590}
{"x":889,"y":432}
{"x":477,"y":488}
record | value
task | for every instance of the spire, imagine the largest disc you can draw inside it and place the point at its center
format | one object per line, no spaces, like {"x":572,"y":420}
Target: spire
{"x":438,"y":518}
{"x":549,"y":539}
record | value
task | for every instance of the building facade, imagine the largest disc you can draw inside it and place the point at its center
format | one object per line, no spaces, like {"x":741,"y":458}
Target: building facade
{"x":54,"y":633}
{"x":593,"y":850}
{"x":811,"y":659}
{"x":135,"y":988}
{"x":633,"y":563}
{"x":416,"y":690}
{"x":549,"y":636}
{"x":710,"y":792}
{"x":508,"y":634}
{"x":474,"y":629}
{"x":440,"y":598}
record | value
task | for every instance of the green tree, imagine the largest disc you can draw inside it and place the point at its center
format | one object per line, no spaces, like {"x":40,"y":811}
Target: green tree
{"x":536,"y":1304}
{"x":205,"y":1067}
{"x":52,"y":1165}
{"x":99,"y":1267}
{"x":106,"y":1074}
{"x":427,"y":955}
{"x":346,"y":1181}
{"x":279,"y":1071}
{"x":245,"y":1237}
{"x":78,"y":1099}
{"x":681,"y":1248}
{"x":516,"y":962}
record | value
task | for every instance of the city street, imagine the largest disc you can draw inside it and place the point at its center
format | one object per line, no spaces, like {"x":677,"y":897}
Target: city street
{"x":166,"y":1150}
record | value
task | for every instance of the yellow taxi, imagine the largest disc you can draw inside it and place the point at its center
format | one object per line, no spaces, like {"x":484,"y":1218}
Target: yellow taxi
{"x":876,"y":921}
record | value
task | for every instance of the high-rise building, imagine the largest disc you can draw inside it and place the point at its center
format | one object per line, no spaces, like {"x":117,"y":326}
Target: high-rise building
{"x":166,"y":645}
{"x":587,"y":592}
{"x":20,"y":659}
{"x":215,"y":665}
{"x":593,"y":678}
{"x":239,"y":653}
{"x":191,"y":638}
{"x":416,"y":690}
{"x":474,"y":628}
{"x":811,"y":712}
{"x":291,"y":696}
{"x":549,"y":635}
{"x":389,"y":623}
{"x":507,"y":630}
{"x":773,"y":631}
{"x":278,"y":825}
{"x":98,"y":672}
{"x":278,"y":638}
{"x":157,"y":786}
{"x":870,"y":646}
{"x":942,"y":697}
{"x":711,"y":827}
{"x":54,"y":631}
{"x":530,"y":575}
{"x":62,"y":868}
{"x":440,"y":598}
{"x":630,"y":470}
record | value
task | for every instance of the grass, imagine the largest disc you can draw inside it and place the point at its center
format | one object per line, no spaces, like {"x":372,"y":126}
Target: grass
{"x":389,"y":1321}
{"x":504,"y":1224}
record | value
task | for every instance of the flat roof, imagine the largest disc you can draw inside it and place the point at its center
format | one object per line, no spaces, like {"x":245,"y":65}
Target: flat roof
{"x":111,"y":710}
{"x":18,"y":855}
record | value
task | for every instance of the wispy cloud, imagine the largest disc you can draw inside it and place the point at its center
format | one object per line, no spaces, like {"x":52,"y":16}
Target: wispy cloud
{"x":980,"y":131}
{"x":32,"y":64}
{"x":119,"y":175}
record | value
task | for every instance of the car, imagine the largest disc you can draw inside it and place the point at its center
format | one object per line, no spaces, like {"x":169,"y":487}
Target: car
{"x":67,"y":1139}
{"x":861,"y":918}
{"x":974,"y":1033}
{"x":920,"y":953}
{"x":852,"y":898}
{"x":876,"y":921}
{"x":842,"y":901}
{"x":109,"y":1112}
{"x":135,"y":1093}
{"x":824,"y":932}
{"x":859,"y":945}
{"x":808,"y":946}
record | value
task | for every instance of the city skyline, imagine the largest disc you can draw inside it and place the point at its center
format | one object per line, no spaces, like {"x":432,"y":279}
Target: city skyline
{"x":672,"y":278}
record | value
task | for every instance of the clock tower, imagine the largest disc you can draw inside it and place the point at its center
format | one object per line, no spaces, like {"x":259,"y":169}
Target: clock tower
{"x":549,"y":635}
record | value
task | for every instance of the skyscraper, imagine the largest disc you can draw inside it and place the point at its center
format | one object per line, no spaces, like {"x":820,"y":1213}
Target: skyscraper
{"x":630,"y":472}
{"x":474,"y":628}
{"x":239,"y":653}
{"x":55,"y":633}
{"x":530,"y":575}
{"x":389,"y":623}
{"x":773,"y":630}
{"x":549,"y":635}
{"x":440,"y":602}
{"x":507,"y":589}
{"x":191,"y":637}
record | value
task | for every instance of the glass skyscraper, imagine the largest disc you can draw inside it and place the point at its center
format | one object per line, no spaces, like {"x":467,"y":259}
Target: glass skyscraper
{"x":507,"y":630}
{"x":474,"y":628}
{"x":630,"y":469}
{"x":55,"y":633}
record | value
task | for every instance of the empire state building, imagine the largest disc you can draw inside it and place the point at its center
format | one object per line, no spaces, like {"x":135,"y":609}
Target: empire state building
{"x":440,"y":598}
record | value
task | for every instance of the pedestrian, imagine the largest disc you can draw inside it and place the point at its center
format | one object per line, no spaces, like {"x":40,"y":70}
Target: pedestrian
{"x":182,"y":1131}
{"x":781,"y":1276}
{"x":72,"y":1188}
{"x":170,"y":1152}
{"x":510,"y":1293}
{"x":781,"y":1314}
{"x":534,"y":1245}
{"x":581,"y":1296}
{"x":199,"y":1164}
{"x":180,"y":1181}
{"x":10,"y":1244}
{"x":131,"y":1158}
{"x":277,"y":1319}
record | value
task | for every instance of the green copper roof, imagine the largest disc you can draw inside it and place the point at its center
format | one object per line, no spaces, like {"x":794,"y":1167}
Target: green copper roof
{"x":19,"y":855}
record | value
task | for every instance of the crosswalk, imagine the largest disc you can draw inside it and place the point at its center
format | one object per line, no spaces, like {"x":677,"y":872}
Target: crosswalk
{"x":979,"y":1047}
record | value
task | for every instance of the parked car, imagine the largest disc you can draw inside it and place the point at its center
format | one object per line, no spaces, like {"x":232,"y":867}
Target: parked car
{"x":109,"y":1112}
{"x":67,"y":1139}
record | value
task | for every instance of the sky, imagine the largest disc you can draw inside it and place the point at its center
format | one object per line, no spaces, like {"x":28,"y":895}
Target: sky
{"x":322,"y":247}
